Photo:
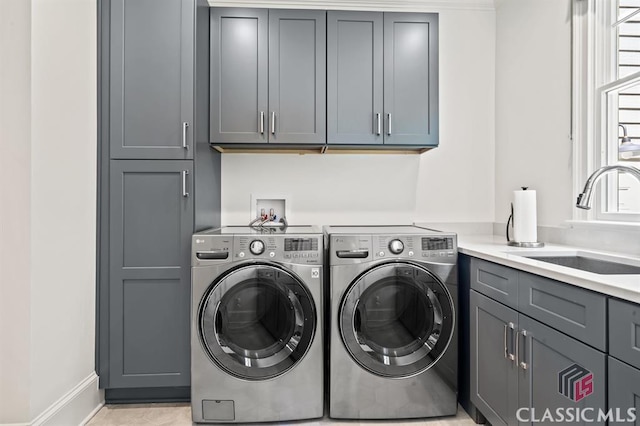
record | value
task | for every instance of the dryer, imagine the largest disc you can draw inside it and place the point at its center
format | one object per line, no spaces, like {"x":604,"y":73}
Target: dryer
{"x":256,"y":339}
{"x":392,"y":322}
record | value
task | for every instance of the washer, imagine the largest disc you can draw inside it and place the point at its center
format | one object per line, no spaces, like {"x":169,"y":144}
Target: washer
{"x":256,"y":340}
{"x":393,"y":349}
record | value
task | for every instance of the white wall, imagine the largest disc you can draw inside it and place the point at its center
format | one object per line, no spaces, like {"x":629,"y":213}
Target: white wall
{"x":15,"y":151}
{"x":63,"y":197}
{"x":453,"y":182}
{"x":533,"y":106}
{"x":48,"y":211}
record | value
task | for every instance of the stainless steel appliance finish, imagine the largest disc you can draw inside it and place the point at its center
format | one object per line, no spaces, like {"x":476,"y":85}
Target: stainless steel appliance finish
{"x":256,"y":335}
{"x":393,"y":349}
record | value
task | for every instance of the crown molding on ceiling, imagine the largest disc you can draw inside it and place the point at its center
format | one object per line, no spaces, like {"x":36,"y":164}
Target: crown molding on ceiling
{"x":377,"y":5}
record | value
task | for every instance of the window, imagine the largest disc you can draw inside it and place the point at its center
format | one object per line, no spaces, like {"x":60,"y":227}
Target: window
{"x":607,"y":101}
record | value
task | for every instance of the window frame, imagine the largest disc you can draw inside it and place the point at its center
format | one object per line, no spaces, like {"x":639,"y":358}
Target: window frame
{"x":595,"y":52}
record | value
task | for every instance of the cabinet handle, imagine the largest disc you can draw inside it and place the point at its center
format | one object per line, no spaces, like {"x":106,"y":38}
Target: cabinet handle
{"x":504,"y":338}
{"x":389,"y":124}
{"x":261,"y":122}
{"x":378,"y":124}
{"x":273,"y":123}
{"x":522,"y":363}
{"x":185,"y":173}
{"x":508,"y":329}
{"x":185,"y":126}
{"x":517,"y":347}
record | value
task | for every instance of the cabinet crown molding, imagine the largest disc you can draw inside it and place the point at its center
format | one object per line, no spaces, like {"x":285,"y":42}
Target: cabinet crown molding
{"x":370,"y":5}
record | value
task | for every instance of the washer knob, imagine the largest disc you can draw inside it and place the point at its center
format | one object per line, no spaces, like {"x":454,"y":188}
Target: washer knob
{"x":256,"y":247}
{"x":396,"y":246}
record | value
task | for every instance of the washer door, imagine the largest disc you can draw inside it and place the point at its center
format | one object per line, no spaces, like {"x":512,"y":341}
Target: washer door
{"x":257,"y":321}
{"x":397,"y":319}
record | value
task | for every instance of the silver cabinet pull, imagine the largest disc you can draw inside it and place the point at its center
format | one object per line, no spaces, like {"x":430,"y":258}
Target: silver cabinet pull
{"x":185,"y":173}
{"x":273,"y":123}
{"x":517,"y":347}
{"x":389,"y":125}
{"x":185,"y":127}
{"x":504,"y":337}
{"x":261,"y":122}
{"x":512,"y":328}
{"x":378,"y":124}
{"x":523,"y":364}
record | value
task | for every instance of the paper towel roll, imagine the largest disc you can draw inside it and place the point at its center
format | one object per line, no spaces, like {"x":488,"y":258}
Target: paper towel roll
{"x":524,"y":216}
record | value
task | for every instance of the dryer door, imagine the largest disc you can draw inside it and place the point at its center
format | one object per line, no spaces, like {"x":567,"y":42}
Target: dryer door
{"x":397,"y":319}
{"x":257,"y":321}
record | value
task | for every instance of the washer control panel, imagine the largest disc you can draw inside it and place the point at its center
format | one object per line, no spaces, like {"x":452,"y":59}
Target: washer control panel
{"x":304,"y":250}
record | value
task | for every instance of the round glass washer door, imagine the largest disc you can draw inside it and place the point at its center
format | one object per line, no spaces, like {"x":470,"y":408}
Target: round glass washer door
{"x":397,"y":319}
{"x":257,"y":321}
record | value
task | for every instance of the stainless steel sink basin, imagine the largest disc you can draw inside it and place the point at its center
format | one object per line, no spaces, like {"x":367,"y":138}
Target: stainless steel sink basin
{"x":588,"y":264}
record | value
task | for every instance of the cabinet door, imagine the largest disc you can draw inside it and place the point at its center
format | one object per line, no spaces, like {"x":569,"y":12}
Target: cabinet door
{"x":624,"y":331}
{"x":494,"y":380}
{"x":354,"y":78}
{"x":624,"y":391}
{"x":297,"y":76}
{"x":151,"y":78}
{"x":558,"y":372}
{"x":411,"y":79}
{"x":151,"y":222}
{"x":238,"y":75}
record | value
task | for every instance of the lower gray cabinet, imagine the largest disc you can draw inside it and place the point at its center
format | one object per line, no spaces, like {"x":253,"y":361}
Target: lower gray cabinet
{"x":494,"y":378}
{"x":520,"y":368}
{"x":150,"y":225}
{"x":558,"y":372}
{"x":624,"y":392}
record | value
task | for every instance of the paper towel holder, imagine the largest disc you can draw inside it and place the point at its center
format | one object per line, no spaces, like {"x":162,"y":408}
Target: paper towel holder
{"x":537,"y":244}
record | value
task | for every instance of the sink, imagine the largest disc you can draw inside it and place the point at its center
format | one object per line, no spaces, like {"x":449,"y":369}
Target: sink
{"x":583,"y":260}
{"x":588,"y":264}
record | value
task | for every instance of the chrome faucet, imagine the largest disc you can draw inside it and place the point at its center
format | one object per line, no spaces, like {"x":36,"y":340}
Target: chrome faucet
{"x":584,"y":198}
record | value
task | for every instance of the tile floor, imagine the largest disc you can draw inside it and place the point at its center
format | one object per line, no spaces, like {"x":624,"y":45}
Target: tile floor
{"x":180,"y":415}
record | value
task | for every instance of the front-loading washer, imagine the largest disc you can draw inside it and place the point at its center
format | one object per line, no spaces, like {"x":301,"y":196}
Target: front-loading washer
{"x":392,"y":322}
{"x":256,"y":339}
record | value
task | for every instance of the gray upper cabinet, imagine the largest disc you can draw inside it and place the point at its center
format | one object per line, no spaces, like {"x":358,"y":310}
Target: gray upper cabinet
{"x":150,"y":227}
{"x":382,"y":79}
{"x":297,"y":76}
{"x":268,"y":76}
{"x":151,"y":79}
{"x":238,"y":75}
{"x":354,"y":78}
{"x":411,"y":79}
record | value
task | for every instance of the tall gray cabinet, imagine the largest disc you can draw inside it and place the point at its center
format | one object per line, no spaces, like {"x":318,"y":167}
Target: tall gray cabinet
{"x":151,"y":79}
{"x":267,"y":76}
{"x":153,"y":74}
{"x":382,"y":78}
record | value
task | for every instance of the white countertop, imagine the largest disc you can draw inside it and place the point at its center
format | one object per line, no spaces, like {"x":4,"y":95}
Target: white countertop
{"x":494,"y":249}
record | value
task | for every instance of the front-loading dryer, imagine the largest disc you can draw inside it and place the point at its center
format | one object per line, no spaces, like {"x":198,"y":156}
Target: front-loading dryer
{"x":256,"y":340}
{"x":392,"y":322}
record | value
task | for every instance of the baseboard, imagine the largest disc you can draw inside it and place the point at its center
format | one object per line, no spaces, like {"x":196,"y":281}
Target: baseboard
{"x":76,"y":407}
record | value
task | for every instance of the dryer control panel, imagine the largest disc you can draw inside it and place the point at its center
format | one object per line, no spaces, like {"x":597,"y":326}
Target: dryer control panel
{"x":361,"y":248}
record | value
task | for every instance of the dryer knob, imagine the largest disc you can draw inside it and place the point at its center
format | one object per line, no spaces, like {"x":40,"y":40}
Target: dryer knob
{"x":396,"y":246}
{"x":256,"y":247}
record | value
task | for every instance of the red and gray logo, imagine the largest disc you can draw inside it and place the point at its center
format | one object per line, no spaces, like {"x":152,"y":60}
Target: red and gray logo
{"x":575,"y":382}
